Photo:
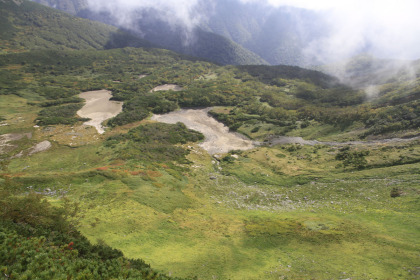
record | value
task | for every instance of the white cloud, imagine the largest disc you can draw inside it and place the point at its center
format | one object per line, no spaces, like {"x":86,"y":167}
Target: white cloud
{"x":172,"y":10}
{"x":390,"y":28}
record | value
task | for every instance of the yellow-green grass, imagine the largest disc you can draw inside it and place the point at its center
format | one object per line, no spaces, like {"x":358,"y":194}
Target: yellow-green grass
{"x":306,"y":220}
{"x":17,"y":114}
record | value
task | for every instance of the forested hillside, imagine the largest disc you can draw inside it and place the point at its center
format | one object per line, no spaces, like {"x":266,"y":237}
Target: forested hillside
{"x":30,"y":26}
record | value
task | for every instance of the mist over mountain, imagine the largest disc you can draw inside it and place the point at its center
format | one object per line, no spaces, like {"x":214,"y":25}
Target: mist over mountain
{"x":279,"y":35}
{"x":336,"y":38}
{"x":281,"y":32}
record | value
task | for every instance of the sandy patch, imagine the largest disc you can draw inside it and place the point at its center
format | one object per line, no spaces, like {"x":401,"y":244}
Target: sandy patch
{"x":99,"y":108}
{"x":218,"y":139}
{"x":167,"y":87}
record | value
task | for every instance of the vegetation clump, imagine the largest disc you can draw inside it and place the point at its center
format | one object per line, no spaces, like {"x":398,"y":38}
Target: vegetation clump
{"x":154,"y":142}
{"x":353,"y":158}
{"x":395,"y":192}
{"x":38,"y":241}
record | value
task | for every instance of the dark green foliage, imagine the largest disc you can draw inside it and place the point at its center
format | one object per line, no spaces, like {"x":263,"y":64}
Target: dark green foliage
{"x":154,"y":142}
{"x":61,"y":101}
{"x":54,"y":92}
{"x":32,"y":210}
{"x":228,"y":159}
{"x":394,"y":118}
{"x":395,"y":192}
{"x":271,"y":75}
{"x":129,"y":117}
{"x":353,"y":158}
{"x":9,"y":82}
{"x":41,"y":27}
{"x":140,"y":107}
{"x":64,"y":114}
{"x":164,"y":133}
{"x":37,"y":241}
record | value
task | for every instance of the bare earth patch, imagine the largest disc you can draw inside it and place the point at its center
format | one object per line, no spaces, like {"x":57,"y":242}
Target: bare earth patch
{"x":40,"y":147}
{"x":218,"y":139}
{"x":5,"y":139}
{"x":99,"y":108}
{"x":167,"y":87}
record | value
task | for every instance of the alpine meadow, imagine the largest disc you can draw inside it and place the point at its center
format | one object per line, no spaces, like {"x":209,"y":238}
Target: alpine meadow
{"x":222,"y":140}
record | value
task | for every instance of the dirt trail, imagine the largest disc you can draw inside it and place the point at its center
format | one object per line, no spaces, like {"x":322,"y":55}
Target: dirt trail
{"x":218,"y":139}
{"x":99,"y":108}
{"x":281,"y":140}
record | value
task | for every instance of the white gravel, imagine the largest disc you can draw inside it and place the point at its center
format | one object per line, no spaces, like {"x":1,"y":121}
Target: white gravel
{"x":218,"y":139}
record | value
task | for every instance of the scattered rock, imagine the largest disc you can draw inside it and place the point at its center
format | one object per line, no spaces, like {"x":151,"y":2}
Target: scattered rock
{"x":40,"y":147}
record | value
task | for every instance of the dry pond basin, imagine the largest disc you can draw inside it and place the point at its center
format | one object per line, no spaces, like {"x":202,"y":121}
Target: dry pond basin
{"x":217,"y":139}
{"x":99,"y":108}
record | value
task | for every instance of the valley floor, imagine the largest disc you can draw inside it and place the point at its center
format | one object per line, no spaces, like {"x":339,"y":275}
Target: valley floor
{"x":271,"y":212}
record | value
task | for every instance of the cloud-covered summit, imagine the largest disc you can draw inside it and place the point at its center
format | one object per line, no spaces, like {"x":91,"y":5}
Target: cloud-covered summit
{"x":387,"y":29}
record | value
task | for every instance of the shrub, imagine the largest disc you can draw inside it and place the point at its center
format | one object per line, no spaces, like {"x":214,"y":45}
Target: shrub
{"x":395,"y":192}
{"x":352,"y":158}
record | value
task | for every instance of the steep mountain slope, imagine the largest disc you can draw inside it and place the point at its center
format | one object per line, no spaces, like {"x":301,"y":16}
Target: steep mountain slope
{"x":69,"y":6}
{"x":279,"y":35}
{"x":27,"y":26}
{"x":149,"y":25}
{"x":261,"y":33}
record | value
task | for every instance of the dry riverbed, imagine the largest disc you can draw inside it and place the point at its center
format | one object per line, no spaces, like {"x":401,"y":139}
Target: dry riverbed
{"x":218,"y":139}
{"x":99,"y":108}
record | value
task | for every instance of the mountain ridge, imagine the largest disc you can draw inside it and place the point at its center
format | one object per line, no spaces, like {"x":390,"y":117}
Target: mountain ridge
{"x":204,"y":44}
{"x":29,"y":26}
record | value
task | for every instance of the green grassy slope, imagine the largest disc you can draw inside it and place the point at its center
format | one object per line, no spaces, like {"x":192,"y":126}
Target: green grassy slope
{"x":69,"y":6}
{"x":271,"y":212}
{"x":27,"y":25}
